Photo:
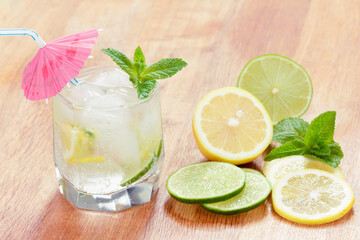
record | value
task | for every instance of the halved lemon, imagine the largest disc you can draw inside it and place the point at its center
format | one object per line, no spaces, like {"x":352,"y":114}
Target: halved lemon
{"x":231,"y":125}
{"x":312,"y":196}
{"x":282,"y":166}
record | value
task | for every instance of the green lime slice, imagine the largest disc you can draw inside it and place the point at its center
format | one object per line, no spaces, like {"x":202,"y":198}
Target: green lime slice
{"x":145,"y":169}
{"x":206,"y":182}
{"x":140,"y":174}
{"x":257,"y":189}
{"x":280,"y":84}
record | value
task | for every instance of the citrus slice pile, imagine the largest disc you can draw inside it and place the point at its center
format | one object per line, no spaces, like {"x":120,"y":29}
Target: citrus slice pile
{"x":235,"y":125}
{"x":220,"y":187}
{"x":231,"y":125}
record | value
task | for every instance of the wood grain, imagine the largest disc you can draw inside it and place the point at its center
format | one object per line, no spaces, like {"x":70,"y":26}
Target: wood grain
{"x":216,"y":38}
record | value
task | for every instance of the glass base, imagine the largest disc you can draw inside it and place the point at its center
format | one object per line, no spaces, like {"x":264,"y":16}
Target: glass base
{"x":136,"y":194}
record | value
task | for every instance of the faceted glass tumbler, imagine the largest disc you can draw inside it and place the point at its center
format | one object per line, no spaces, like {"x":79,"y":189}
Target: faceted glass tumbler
{"x":108,"y":146}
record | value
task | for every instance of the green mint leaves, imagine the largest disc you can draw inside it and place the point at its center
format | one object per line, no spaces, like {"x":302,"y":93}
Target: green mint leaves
{"x":164,"y":68}
{"x":290,"y":129}
{"x":312,"y":140}
{"x":145,"y":88}
{"x":142,"y":76}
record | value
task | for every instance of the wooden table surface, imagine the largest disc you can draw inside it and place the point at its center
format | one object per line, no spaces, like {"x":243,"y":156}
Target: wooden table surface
{"x":216,"y":38}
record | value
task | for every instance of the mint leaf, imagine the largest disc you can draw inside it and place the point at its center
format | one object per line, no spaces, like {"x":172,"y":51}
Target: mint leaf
{"x":290,"y":129}
{"x":139,"y":69}
{"x":89,"y":133}
{"x":145,"y":88}
{"x":122,"y":61}
{"x":295,"y":147}
{"x":319,"y":149}
{"x":164,"y":68}
{"x":333,"y":159}
{"x":321,"y":129}
{"x":336,"y":149}
{"x":335,"y":156}
{"x":139,"y":62}
{"x":139,"y":56}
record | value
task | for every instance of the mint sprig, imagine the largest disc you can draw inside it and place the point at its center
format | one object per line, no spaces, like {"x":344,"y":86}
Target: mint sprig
{"x":142,"y":76}
{"x":312,"y":140}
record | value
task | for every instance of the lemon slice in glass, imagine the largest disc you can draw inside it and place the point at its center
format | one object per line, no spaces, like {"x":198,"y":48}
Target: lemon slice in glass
{"x":78,"y":144}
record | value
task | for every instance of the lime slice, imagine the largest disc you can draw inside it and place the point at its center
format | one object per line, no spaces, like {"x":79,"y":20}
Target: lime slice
{"x":256,"y":190}
{"x":146,"y":169}
{"x":280,"y":84}
{"x":206,"y":182}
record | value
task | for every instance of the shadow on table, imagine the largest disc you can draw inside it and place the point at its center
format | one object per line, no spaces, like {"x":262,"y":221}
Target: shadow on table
{"x":191,"y":214}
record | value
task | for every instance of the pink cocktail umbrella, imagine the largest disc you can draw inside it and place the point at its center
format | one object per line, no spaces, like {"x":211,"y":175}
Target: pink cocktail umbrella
{"x":55,"y":64}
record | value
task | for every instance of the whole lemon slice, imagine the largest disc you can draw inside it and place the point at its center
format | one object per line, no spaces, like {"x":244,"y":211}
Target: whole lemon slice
{"x":231,"y":125}
{"x":312,"y":196}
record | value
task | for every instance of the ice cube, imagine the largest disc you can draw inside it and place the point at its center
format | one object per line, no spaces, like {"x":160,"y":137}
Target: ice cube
{"x":108,"y":101}
{"x":130,"y":94}
{"x":111,"y":79}
{"x":121,"y":145}
{"x":115,"y":135}
{"x":80,"y":94}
